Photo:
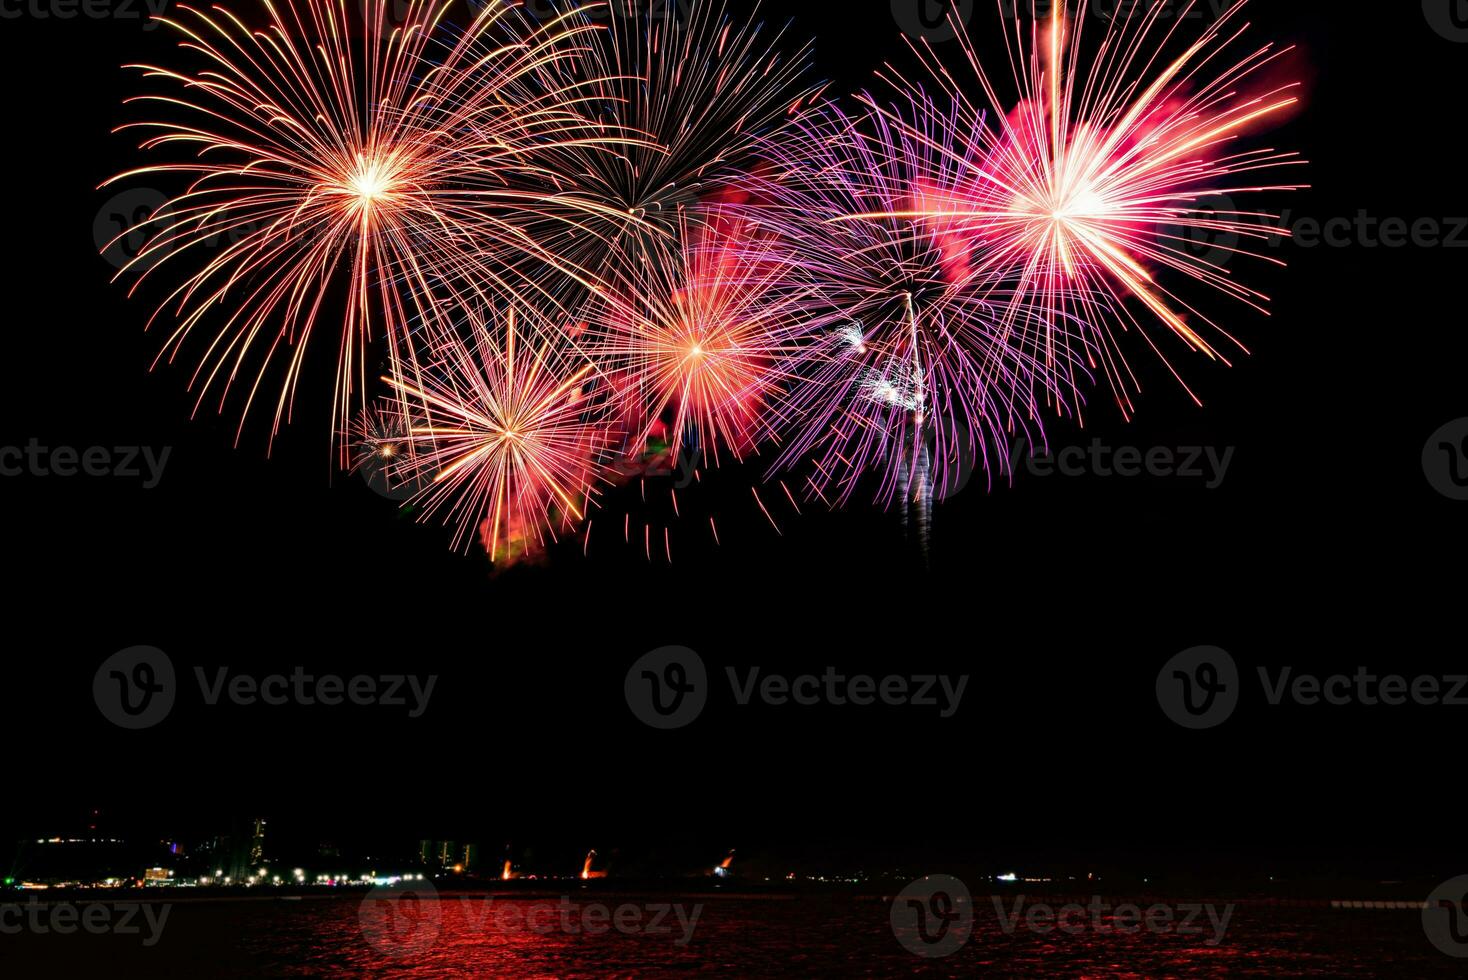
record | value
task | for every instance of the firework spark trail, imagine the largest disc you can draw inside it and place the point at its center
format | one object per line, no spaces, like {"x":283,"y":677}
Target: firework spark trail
{"x":699,"y":88}
{"x":509,"y":440}
{"x":694,"y":344}
{"x":394,"y":175}
{"x":1099,"y":173}
{"x":898,"y":353}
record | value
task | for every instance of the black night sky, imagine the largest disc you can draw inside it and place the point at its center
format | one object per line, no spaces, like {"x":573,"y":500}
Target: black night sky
{"x":1324,"y":549}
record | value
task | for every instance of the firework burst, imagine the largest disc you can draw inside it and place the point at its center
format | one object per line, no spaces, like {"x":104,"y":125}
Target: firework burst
{"x":377,"y":440}
{"x":508,"y":441}
{"x":389,"y":176}
{"x":904,"y":370}
{"x":1100,"y":175}
{"x":693,"y":254}
{"x":693,"y":344}
{"x":699,"y":89}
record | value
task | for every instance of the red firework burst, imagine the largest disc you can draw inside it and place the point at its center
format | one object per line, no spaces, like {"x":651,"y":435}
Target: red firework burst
{"x":694,"y":342}
{"x":508,"y":441}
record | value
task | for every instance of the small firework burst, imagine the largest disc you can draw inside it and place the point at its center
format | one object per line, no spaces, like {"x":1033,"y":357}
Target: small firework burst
{"x":506,"y":437}
{"x":377,"y":440}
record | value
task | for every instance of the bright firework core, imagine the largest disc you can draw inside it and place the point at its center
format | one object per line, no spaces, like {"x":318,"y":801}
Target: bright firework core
{"x":371,"y":181}
{"x":1080,"y":203}
{"x":710,"y":368}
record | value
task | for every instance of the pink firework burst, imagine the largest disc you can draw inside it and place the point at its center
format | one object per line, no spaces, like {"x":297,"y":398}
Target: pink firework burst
{"x":693,"y":343}
{"x":1102,"y":173}
{"x":507,"y":439}
{"x":904,"y":370}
